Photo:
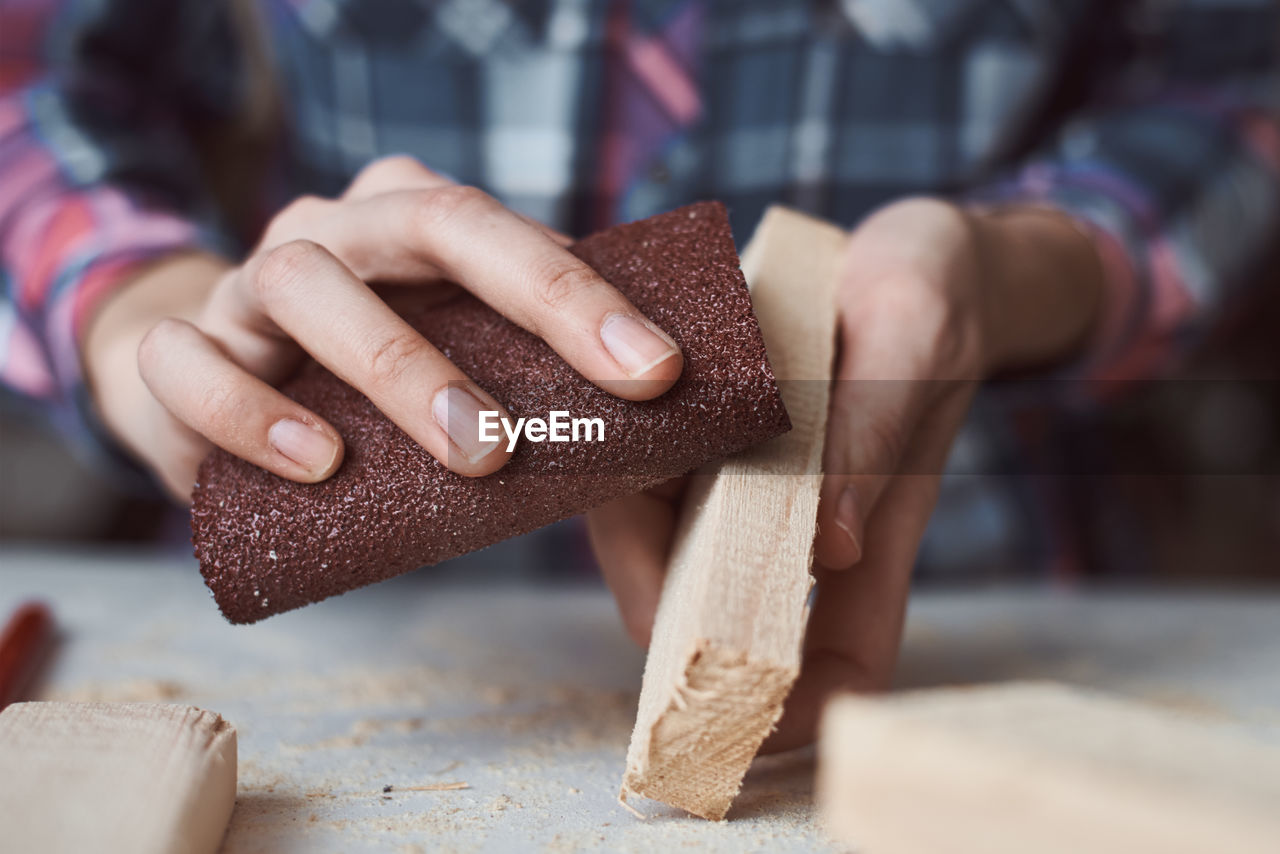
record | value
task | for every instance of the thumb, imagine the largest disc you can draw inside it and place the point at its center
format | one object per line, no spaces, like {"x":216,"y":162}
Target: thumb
{"x":869,"y":426}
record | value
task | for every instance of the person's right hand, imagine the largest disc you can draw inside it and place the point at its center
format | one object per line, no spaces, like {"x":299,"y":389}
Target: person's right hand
{"x":933,"y":299}
{"x":186,"y":355}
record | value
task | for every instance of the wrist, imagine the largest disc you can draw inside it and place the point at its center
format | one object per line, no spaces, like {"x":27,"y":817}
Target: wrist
{"x":1043,"y":287}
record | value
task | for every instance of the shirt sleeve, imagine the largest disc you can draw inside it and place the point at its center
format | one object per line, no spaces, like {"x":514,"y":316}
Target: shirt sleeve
{"x":1172,"y":167}
{"x":97,"y":174}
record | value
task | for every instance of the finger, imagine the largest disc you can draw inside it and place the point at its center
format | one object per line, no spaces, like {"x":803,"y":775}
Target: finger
{"x":518,"y":270}
{"x":894,"y":337}
{"x":174,"y":452}
{"x":295,"y":220}
{"x":400,"y":172}
{"x":392,"y":174}
{"x":858,"y":615}
{"x":196,"y":382}
{"x":631,"y":538}
{"x":312,"y":298}
{"x":869,"y":424}
{"x":856,"y":623}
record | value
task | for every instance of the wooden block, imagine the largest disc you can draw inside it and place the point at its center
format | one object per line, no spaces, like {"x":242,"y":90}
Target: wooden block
{"x":726,"y":641}
{"x":1045,"y":768}
{"x":115,"y":778}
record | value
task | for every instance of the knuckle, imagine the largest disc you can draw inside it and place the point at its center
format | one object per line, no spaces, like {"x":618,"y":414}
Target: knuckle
{"x":389,"y":358}
{"x":844,"y":406}
{"x":942,"y":342}
{"x":284,"y":267}
{"x":870,"y":427}
{"x":436,"y":207}
{"x":559,"y":287}
{"x":304,"y":208}
{"x":158,"y":343}
{"x":300,"y":214}
{"x":883,"y":444}
{"x":221,"y":408}
{"x":910,"y":297}
{"x":390,"y":167}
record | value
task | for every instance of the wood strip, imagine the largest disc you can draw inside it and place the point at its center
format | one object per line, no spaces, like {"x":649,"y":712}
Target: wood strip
{"x":726,"y":641}
{"x":115,"y":778}
{"x":1040,"y":767}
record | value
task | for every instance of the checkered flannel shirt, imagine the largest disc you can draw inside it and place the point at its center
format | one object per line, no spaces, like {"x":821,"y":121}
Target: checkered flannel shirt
{"x":1153,"y":122}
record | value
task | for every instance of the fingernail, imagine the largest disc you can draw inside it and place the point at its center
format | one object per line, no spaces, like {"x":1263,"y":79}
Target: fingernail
{"x":636,"y":345}
{"x":305,"y":445}
{"x":457,"y":410}
{"x":847,"y":517}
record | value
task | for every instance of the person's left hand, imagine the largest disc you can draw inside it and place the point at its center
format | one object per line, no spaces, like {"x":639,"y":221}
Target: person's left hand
{"x":924,"y":315}
{"x":186,"y":353}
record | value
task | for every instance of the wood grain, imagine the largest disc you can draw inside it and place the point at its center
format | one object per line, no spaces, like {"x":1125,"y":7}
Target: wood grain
{"x":726,"y":640}
{"x":115,"y":778}
{"x":1043,"y":767}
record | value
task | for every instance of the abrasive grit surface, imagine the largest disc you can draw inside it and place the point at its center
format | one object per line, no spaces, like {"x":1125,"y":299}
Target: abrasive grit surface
{"x":268,"y":545}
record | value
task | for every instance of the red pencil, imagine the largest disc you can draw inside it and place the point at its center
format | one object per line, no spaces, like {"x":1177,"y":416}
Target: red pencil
{"x":23,"y":645}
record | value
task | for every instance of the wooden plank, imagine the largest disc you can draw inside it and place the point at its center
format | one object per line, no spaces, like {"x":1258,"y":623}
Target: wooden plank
{"x":1046,"y":768}
{"x":727,"y":637}
{"x":115,"y":778}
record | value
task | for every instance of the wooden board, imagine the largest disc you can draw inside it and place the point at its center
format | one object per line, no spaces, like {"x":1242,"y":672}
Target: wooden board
{"x":1046,"y":768}
{"x":115,"y":778}
{"x":727,"y":637}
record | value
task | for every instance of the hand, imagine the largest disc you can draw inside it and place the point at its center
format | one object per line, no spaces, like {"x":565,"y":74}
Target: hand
{"x":186,"y":356}
{"x":934,"y":298}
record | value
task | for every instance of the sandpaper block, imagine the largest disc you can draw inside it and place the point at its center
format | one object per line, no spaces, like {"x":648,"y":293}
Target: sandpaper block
{"x":1008,"y":769}
{"x":267,"y":545}
{"x":727,"y":638}
{"x":115,"y":778}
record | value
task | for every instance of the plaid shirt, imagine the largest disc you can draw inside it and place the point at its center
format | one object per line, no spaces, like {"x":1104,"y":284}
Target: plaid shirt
{"x":1153,"y":122}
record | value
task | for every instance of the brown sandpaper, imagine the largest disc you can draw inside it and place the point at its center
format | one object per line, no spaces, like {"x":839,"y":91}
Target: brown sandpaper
{"x":267,"y":545}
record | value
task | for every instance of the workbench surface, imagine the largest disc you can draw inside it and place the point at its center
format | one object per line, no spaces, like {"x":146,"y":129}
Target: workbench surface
{"x":527,"y":695}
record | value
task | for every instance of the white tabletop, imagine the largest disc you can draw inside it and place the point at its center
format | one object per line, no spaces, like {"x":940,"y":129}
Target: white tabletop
{"x":527,"y":694}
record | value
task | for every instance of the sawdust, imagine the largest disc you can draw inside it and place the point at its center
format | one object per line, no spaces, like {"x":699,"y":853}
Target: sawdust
{"x":318,"y":748}
{"x":501,"y":804}
{"x":543,"y":786}
{"x":360,"y":732}
{"x":131,"y":691}
{"x":549,"y":740}
{"x":516,"y":800}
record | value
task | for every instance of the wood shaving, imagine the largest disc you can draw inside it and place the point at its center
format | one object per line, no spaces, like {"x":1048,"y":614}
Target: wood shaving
{"x":431,"y":787}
